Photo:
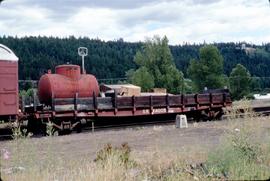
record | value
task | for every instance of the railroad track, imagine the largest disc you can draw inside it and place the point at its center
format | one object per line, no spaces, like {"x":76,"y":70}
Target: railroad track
{"x":138,"y":125}
{"x":131,"y":125}
{"x":262,"y":111}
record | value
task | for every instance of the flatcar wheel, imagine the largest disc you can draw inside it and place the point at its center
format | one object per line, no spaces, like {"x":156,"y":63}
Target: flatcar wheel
{"x":219,"y":114}
{"x":43,"y":130}
{"x":211,"y":115}
{"x":56,"y":132}
{"x":78,"y":128}
{"x":63,"y":132}
{"x":205,"y":116}
{"x":33,"y":126}
{"x":197,"y":116}
{"x":215,"y":115}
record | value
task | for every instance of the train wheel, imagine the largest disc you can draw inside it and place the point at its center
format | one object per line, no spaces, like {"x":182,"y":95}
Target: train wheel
{"x":78,"y":127}
{"x":215,"y":114}
{"x":34,"y":126}
{"x":43,"y":129}
{"x":63,"y":132}
{"x":219,"y":114}
{"x":205,"y":116}
{"x":197,"y":116}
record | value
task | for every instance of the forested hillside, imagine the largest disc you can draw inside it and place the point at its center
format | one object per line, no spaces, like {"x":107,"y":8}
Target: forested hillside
{"x":113,"y":58}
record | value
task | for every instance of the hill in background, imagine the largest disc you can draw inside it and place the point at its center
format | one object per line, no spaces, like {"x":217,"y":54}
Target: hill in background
{"x":113,"y":58}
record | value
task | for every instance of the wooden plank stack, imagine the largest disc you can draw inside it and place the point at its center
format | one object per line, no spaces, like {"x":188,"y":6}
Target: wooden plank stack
{"x":130,"y":90}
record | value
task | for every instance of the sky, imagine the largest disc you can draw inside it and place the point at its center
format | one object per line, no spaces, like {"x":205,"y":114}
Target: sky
{"x":182,"y":21}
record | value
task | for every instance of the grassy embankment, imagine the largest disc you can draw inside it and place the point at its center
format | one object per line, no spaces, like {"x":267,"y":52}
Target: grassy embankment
{"x":243,"y":154}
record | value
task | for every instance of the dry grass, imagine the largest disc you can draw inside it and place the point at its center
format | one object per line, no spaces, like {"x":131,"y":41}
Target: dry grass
{"x":245,"y":150}
{"x":243,"y":153}
{"x":29,"y":164}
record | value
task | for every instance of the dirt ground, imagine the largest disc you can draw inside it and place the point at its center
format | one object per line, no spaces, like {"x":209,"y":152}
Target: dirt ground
{"x":202,"y":135}
{"x":154,"y":150}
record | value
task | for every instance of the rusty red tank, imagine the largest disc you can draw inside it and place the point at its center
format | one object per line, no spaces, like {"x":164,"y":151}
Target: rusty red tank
{"x":65,"y":83}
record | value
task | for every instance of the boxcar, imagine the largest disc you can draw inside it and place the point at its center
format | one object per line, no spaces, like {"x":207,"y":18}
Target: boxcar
{"x":9,"y":103}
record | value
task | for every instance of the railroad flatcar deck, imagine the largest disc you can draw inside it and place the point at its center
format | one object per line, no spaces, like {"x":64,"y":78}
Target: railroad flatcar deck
{"x":75,"y":110}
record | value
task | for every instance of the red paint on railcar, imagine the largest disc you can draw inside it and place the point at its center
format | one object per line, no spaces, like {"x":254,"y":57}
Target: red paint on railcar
{"x":67,"y":81}
{"x":71,"y":71}
{"x":9,"y":103}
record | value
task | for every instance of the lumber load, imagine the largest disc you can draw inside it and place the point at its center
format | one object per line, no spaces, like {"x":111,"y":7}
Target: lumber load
{"x":130,"y":90}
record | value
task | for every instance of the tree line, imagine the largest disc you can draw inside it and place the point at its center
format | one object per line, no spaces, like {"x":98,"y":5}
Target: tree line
{"x":157,"y":70}
{"x":114,"y":59}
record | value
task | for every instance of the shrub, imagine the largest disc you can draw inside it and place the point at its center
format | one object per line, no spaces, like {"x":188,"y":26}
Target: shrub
{"x":122,"y":153}
{"x":18,"y":133}
{"x":239,"y":157}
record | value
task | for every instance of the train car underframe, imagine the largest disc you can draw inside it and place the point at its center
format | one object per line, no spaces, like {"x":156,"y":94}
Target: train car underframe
{"x":66,"y":122}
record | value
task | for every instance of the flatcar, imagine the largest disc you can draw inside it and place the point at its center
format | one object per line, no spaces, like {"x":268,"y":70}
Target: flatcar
{"x":70,"y":98}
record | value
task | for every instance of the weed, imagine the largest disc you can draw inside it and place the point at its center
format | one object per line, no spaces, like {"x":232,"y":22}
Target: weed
{"x":18,"y":133}
{"x":50,"y":130}
{"x":123,"y":154}
{"x":240,"y":155}
{"x":241,"y":108}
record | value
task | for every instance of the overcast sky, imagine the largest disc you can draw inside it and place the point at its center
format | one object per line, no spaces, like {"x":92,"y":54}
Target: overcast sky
{"x":133,"y":20}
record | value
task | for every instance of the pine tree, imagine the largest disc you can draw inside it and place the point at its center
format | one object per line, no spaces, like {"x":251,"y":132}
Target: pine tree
{"x":208,"y":70}
{"x":240,"y":81}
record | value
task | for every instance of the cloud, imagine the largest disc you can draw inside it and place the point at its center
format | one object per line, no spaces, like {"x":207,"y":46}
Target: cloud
{"x":133,"y":20}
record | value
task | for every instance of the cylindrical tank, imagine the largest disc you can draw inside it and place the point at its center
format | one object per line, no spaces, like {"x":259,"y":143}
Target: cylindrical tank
{"x":65,"y":83}
{"x":71,"y":71}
